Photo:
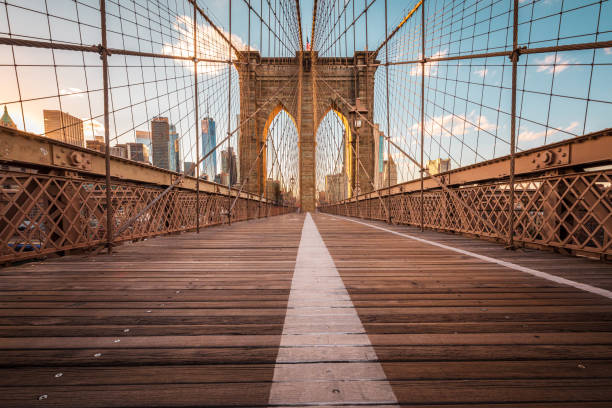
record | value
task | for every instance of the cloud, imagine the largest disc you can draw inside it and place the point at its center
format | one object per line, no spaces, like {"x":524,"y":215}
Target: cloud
{"x":92,"y":127}
{"x":481,"y":72}
{"x":79,"y":93}
{"x":450,"y":124}
{"x":553,"y":64}
{"x":608,"y":51}
{"x":431,"y":68}
{"x":530,"y":135}
{"x":211,"y":45}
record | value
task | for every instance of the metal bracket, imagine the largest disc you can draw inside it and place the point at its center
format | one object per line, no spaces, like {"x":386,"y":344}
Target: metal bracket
{"x":71,"y":158}
{"x":553,"y":157}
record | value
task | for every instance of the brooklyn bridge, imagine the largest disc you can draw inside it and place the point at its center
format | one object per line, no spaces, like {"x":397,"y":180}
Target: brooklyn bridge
{"x":285,"y":203}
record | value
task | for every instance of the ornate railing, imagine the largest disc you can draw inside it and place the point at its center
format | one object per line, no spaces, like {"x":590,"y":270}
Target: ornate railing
{"x":54,"y":208}
{"x":566,"y":208}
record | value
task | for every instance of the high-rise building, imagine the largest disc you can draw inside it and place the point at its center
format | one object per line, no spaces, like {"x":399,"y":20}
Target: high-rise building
{"x":209,"y":141}
{"x":336,"y":187}
{"x":229,"y":164}
{"x":160,"y":137}
{"x":174,"y":151}
{"x":393,"y":170}
{"x":137,"y":152}
{"x":64,"y":127}
{"x":188,"y":170}
{"x":6,"y":120}
{"x":438,"y":166}
{"x":144,"y":137}
{"x":273,"y":190}
{"x":119,"y":150}
{"x":96,"y":144}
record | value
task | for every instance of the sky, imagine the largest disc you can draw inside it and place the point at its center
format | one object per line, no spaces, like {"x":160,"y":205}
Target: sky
{"x":467,"y":102}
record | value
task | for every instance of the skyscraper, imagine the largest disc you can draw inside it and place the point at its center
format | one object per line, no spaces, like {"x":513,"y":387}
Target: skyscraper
{"x":137,"y":152}
{"x":228,"y":164}
{"x":209,"y":141}
{"x":174,"y":152}
{"x":144,"y":137}
{"x":160,"y":138}
{"x":64,"y":127}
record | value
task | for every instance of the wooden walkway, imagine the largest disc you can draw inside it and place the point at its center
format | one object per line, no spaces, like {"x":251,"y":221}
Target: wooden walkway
{"x":198,"y":320}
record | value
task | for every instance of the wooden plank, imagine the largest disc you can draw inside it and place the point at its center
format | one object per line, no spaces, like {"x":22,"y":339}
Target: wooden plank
{"x":450,"y":329}
{"x":184,"y":320}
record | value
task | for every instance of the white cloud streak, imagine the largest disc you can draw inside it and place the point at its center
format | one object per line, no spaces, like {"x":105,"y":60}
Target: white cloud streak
{"x":529,"y":135}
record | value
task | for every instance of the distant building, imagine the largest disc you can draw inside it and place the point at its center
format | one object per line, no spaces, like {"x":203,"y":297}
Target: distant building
{"x":137,"y":152}
{"x":273,"y":190}
{"x":144,"y":137}
{"x":174,"y":151}
{"x":322,"y":197}
{"x":379,"y":157}
{"x":191,"y":172}
{"x":6,"y":120}
{"x":160,"y":137}
{"x":229,"y":164}
{"x":222,"y":178}
{"x":209,"y":141}
{"x":393,"y":169}
{"x":119,"y":150}
{"x":438,"y":166}
{"x":336,"y":187}
{"x":96,"y":144}
{"x":64,"y":127}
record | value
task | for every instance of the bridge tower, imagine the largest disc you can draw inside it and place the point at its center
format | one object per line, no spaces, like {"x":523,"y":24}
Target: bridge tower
{"x":321,"y":84}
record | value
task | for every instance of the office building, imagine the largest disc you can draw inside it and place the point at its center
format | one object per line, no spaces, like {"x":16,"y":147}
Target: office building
{"x":144,"y":137}
{"x":229,"y":164}
{"x":273,"y":190}
{"x":119,"y":150}
{"x":191,"y":172}
{"x":174,"y":152}
{"x":438,"y":166}
{"x":96,"y":144}
{"x":209,"y":141}
{"x":137,"y":152}
{"x":336,"y":187}
{"x":64,"y":127}
{"x":160,"y":138}
{"x":392,"y":168}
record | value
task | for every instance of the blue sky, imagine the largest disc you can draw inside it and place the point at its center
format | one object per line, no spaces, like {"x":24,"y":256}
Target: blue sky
{"x":467,"y":102}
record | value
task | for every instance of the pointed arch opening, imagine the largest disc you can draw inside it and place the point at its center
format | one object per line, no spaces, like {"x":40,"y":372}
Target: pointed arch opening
{"x":335,"y":159}
{"x":280,"y":156}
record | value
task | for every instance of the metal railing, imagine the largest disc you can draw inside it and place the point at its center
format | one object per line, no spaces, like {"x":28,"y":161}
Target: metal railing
{"x":58,"y":202}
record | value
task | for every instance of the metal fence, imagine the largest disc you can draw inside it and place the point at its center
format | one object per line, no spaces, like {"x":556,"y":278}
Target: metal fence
{"x":44,"y":214}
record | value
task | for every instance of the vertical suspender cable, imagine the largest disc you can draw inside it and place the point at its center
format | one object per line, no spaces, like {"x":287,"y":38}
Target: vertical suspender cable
{"x":515,"y":56}
{"x":197,"y":119}
{"x":229,"y":121}
{"x":388,"y":119}
{"x":104,"y":56}
{"x":422,"y":108}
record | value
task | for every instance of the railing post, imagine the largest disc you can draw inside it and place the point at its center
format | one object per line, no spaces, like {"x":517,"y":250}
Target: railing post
{"x":423,"y":60}
{"x":388,"y":119}
{"x":104,"y":56}
{"x":197,"y":117}
{"x":515,"y":57}
{"x":229,"y":121}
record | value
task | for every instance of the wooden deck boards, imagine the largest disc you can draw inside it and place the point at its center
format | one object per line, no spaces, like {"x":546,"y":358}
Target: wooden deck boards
{"x":450,"y":329}
{"x":175,"y":321}
{"x":194,"y":320}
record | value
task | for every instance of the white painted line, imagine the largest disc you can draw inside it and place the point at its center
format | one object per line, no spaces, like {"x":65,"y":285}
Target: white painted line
{"x":534,"y":272}
{"x":325,"y":356}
